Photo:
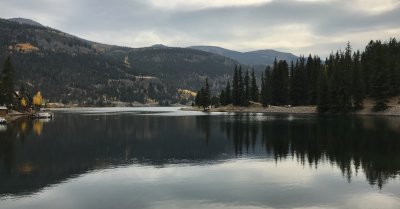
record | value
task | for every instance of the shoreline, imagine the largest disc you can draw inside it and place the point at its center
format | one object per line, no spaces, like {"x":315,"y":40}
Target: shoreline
{"x":309,"y":110}
{"x":13,"y":117}
{"x":257,"y":109}
{"x":393,"y":110}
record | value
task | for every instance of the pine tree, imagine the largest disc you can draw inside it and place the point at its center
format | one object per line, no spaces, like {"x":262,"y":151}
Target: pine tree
{"x":203,"y":97}
{"x":294,"y":84}
{"x":275,"y":87}
{"x":222,"y":98}
{"x":263,"y":94}
{"x":357,"y":83}
{"x":322,"y":93}
{"x":309,"y":83}
{"x":235,"y":90}
{"x":313,"y":67}
{"x":254,"y":87}
{"x":280,"y":81}
{"x":207,"y":96}
{"x":268,"y":85}
{"x":241,"y":89}
{"x":367,"y":58}
{"x":333,"y":83}
{"x":393,"y":61}
{"x":228,"y":94}
{"x":374,"y":62}
{"x":246,"y":88}
{"x":285,"y":82}
{"x":7,"y":83}
{"x":215,"y":102}
{"x":302,"y":83}
{"x":345,"y":74}
{"x":198,"y":99}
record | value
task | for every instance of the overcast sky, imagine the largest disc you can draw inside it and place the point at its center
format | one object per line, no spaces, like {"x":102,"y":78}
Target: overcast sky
{"x":297,"y":26}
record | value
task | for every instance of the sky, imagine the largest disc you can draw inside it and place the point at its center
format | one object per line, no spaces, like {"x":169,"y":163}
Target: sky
{"x":297,"y":26}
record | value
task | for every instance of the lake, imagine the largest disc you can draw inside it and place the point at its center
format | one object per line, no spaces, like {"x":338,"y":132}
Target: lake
{"x":166,"y":158}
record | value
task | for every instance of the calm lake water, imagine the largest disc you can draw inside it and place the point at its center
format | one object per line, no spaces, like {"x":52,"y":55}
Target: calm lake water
{"x":166,"y":158}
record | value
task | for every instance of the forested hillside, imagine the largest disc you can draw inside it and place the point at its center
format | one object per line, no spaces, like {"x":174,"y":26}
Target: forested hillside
{"x":69,"y":69}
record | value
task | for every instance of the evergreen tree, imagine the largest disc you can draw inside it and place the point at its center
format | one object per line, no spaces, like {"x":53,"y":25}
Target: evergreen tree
{"x":222,"y":98}
{"x":285,"y":82}
{"x":241,"y":88}
{"x":303,"y":83}
{"x":268,"y":85}
{"x":254,"y":87}
{"x":294,"y":95}
{"x":379,"y":83}
{"x":357,"y":83}
{"x":246,"y":88}
{"x":345,"y":74}
{"x":340,"y":81}
{"x":367,"y":66}
{"x":275,"y":79}
{"x":309,"y":83}
{"x":236,"y":88}
{"x":333,"y":83}
{"x":203,"y":97}
{"x":264,"y":99}
{"x":215,"y":102}
{"x":280,"y":81}
{"x":228,"y":94}
{"x":313,"y":67}
{"x":207,"y":96}
{"x":322,"y":93}
{"x":393,"y":60}
{"x":395,"y":77}
{"x":198,"y":99}
{"x":7,"y":84}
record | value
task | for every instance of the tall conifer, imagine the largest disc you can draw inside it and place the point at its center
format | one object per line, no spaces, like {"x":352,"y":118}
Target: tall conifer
{"x":254,"y":87}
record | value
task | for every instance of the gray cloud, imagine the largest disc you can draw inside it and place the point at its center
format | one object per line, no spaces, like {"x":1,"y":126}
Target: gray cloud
{"x":299,"y":27}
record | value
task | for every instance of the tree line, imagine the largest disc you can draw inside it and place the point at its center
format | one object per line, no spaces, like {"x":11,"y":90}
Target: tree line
{"x":7,"y":83}
{"x":338,"y":85}
{"x":21,"y":99}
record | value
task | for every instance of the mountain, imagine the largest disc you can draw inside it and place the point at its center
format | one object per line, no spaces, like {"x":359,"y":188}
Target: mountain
{"x":25,"y":21}
{"x":69,"y":69}
{"x":159,"y":46}
{"x":252,"y":58}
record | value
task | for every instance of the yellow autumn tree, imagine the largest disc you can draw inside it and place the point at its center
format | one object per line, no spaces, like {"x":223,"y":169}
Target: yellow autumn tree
{"x":37,"y":99}
{"x":24,"y":102}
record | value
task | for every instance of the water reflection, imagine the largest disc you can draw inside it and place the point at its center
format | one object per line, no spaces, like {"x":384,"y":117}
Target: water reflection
{"x":36,"y":154}
{"x":371,"y":144}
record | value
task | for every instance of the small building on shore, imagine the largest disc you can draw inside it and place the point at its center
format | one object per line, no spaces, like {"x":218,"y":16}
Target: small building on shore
{"x":3,"y":111}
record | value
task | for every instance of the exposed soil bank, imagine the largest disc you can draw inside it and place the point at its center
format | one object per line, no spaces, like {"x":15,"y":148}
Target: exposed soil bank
{"x":393,"y":110}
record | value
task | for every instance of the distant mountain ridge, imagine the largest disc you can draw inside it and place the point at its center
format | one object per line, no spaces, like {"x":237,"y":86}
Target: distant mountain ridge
{"x":25,"y":21}
{"x":159,"y":46}
{"x":252,"y":58}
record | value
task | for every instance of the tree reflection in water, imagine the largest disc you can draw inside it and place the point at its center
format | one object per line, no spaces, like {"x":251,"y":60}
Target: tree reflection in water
{"x":35,"y":154}
{"x":352,"y":143}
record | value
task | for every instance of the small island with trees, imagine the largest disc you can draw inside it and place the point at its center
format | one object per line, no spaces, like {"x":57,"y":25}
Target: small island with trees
{"x":346,"y":82}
